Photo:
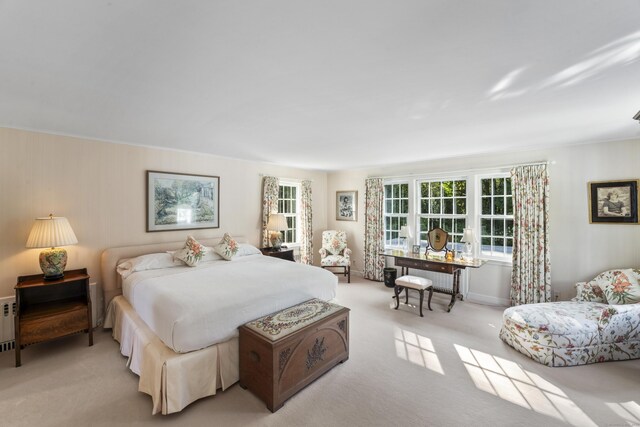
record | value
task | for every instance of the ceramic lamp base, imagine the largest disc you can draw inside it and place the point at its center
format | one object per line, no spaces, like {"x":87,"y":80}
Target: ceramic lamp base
{"x":53,"y":262}
{"x":276,"y":241}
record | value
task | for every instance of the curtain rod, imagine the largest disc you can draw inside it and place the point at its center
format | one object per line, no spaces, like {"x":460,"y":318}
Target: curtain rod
{"x":465,"y":170}
{"x":287,"y":179}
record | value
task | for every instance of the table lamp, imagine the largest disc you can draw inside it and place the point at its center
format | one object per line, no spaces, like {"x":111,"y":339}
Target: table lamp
{"x":468,"y":238}
{"x":50,"y":232}
{"x":277,"y":223}
{"x":404,"y":234}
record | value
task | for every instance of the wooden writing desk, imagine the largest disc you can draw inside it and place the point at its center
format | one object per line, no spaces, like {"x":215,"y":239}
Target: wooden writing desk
{"x":421,"y":262}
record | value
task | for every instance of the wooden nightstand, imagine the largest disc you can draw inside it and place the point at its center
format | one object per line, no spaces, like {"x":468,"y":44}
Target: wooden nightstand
{"x":278,"y":253}
{"x":46,"y":310}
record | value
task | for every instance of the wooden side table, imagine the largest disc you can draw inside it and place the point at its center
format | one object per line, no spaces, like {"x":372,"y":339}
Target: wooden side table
{"x":47,"y":310}
{"x":278,"y":253}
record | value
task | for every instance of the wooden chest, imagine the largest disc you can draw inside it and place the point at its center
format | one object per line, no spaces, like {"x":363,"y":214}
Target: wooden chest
{"x":283,"y":352}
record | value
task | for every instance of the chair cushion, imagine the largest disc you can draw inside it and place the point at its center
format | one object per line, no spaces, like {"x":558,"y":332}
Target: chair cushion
{"x":556,"y":324}
{"x":413,"y":282}
{"x":335,"y":261}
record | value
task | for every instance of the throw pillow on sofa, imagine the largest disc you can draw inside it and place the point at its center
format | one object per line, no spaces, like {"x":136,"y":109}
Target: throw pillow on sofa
{"x":624,"y":289}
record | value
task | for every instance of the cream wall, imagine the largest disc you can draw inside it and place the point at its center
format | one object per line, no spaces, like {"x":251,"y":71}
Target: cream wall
{"x":100,"y":188}
{"x":579,"y":250}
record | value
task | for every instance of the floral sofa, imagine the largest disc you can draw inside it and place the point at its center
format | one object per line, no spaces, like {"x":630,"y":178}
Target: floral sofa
{"x":600,"y":324}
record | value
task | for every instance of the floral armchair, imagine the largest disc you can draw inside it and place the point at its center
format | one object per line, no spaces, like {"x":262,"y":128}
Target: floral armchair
{"x":600,"y":324}
{"x":334,"y":252}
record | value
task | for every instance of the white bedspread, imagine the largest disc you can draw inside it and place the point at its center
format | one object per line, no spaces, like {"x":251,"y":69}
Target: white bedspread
{"x":190,"y":308}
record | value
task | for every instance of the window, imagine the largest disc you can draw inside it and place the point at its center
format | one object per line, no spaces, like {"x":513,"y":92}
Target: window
{"x":443,"y":204}
{"x":288,"y":204}
{"x":496,"y":216}
{"x":396,"y":212}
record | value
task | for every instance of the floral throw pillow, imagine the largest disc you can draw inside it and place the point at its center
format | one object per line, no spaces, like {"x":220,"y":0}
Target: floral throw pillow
{"x":192,"y":252}
{"x":335,"y":244}
{"x":591,"y":291}
{"x":227,"y":247}
{"x":624,"y":289}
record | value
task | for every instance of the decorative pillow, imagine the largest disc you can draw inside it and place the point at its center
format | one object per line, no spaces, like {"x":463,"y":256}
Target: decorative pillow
{"x":147,"y":262}
{"x":591,"y":291}
{"x":335,"y":244}
{"x":209,"y":255}
{"x":227,"y":247}
{"x":192,"y":252}
{"x":624,"y":289}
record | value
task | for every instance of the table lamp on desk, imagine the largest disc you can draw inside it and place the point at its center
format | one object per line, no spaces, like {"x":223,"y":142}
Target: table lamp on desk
{"x":468,"y":238}
{"x":404,"y":235}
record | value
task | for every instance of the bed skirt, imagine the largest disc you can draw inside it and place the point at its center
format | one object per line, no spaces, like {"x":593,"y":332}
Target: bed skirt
{"x":173,"y":380}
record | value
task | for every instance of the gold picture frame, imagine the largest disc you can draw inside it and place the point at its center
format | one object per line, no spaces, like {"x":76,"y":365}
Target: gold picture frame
{"x":347,"y":205}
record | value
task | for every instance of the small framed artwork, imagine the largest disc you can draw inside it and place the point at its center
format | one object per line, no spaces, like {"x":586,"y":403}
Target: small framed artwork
{"x":415,"y":249}
{"x":613,"y":202}
{"x":347,"y":205}
{"x":178,"y":201}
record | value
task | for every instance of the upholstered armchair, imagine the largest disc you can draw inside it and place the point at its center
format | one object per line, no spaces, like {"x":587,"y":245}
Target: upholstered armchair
{"x":334,"y":252}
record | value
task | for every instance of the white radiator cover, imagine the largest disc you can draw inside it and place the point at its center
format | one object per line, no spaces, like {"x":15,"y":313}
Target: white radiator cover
{"x":8,"y":309}
{"x":7,"y":333}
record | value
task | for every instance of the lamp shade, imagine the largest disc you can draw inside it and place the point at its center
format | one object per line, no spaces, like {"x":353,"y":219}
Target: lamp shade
{"x":277,"y":222}
{"x":404,"y":231}
{"x":468,"y":236}
{"x":50,"y":232}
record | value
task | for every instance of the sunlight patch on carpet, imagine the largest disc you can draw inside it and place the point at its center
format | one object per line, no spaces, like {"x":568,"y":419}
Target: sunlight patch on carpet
{"x":629,"y":411}
{"x":508,"y":381}
{"x":417,"y":349}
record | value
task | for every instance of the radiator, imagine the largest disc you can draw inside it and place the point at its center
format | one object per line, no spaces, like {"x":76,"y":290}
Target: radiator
{"x":7,"y":311}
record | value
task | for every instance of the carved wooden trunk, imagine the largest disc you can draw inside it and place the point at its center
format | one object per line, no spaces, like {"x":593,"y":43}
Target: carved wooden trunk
{"x":283,"y":352}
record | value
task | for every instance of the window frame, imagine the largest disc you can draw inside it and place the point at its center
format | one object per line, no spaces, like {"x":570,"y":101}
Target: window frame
{"x":400,"y":216}
{"x":419,"y":215}
{"x":296,"y":215}
{"x":492,"y":255}
{"x":473,"y":207}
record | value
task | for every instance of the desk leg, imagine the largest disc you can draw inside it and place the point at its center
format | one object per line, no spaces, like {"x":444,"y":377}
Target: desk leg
{"x":456,"y":289}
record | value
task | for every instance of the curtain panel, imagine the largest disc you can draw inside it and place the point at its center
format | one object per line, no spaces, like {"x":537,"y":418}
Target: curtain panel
{"x":306,"y":224}
{"x":374,"y":229}
{"x":530,"y":277}
{"x":270,"y":187}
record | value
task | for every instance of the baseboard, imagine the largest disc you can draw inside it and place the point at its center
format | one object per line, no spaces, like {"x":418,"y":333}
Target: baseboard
{"x":487,"y":300}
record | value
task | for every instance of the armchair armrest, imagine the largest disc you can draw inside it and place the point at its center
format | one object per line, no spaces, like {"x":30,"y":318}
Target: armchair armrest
{"x":323,"y":252}
{"x":347,"y":252}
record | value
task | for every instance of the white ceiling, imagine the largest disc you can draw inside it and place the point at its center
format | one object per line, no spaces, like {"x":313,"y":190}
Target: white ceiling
{"x":332,"y":84}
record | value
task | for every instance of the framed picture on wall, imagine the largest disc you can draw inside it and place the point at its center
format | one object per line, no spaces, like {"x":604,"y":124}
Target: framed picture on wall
{"x":347,"y":205}
{"x":613,"y":202}
{"x":177,"y":201}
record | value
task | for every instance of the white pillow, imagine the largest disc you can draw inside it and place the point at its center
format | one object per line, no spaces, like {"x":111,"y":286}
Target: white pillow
{"x":245,"y":249}
{"x":147,"y":262}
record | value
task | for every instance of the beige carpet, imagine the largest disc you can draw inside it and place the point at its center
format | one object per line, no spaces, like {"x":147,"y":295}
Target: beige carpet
{"x":404,"y":370}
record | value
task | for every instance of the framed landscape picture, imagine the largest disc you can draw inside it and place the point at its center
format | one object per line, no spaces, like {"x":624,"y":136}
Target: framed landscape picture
{"x":177,"y":201}
{"x":613,"y":202}
{"x":347,"y":205}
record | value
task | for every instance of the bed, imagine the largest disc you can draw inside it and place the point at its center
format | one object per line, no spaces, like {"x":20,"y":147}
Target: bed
{"x":178,"y":326}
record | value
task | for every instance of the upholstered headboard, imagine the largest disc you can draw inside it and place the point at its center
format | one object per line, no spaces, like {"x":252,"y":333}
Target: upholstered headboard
{"x":111,"y":257}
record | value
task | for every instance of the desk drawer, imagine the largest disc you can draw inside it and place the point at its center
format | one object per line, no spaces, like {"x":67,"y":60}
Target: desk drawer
{"x":425,"y":265}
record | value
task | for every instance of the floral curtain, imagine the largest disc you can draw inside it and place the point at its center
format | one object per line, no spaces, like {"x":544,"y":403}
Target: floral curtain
{"x":374,"y":229}
{"x":306,"y":229}
{"x":530,"y":278}
{"x":270,"y":187}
